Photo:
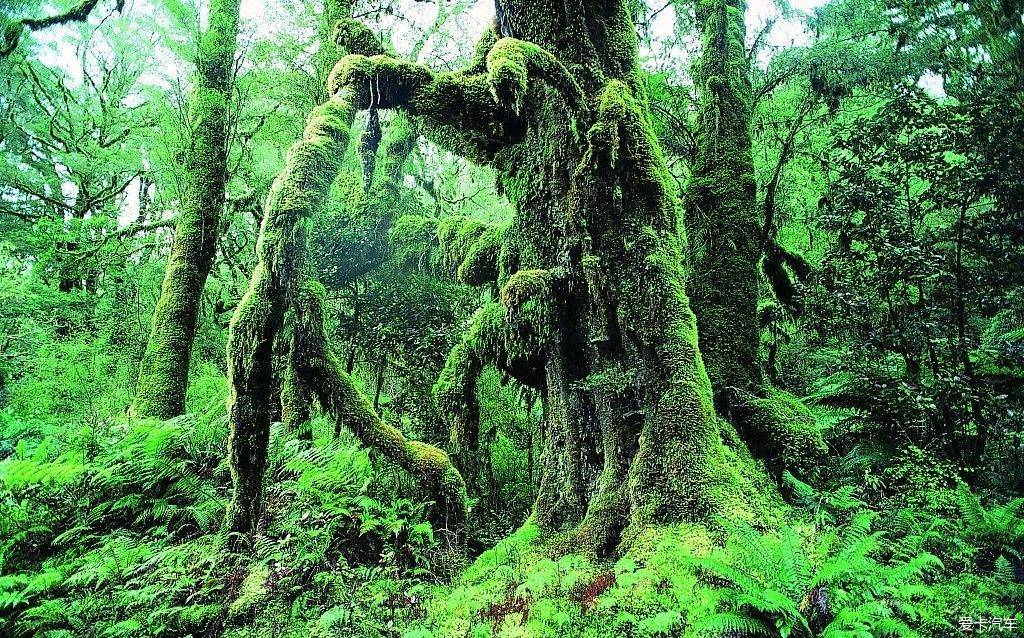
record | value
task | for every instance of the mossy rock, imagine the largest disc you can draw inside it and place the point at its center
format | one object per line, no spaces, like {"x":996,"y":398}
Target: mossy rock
{"x":252,"y":595}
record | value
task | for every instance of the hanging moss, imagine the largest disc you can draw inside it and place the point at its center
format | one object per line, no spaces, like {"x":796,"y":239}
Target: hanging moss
{"x":490,"y":340}
{"x":527,"y":297}
{"x":324,"y":375}
{"x":784,"y":269}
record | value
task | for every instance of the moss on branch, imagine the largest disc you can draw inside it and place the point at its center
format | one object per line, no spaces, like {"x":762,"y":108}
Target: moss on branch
{"x":510,"y":65}
{"x":355,"y":37}
{"x":311,"y":166}
{"x":474,"y":112}
{"x":325,"y":376}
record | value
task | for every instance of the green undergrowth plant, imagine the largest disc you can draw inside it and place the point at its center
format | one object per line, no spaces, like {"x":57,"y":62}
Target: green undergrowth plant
{"x":832,"y":584}
{"x":803,"y":579}
{"x":119,"y":533}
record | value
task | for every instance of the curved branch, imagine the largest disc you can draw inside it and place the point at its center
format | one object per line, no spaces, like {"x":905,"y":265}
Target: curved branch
{"x":473,"y":112}
{"x":510,"y":64}
{"x":298,"y":191}
{"x":321,"y":371}
{"x":78,"y":13}
{"x":453,"y":110}
{"x":511,"y":336}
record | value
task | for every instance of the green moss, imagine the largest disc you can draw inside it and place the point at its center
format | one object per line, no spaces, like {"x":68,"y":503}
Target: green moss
{"x":723,"y":222}
{"x":411,"y":239}
{"x":252,"y":595}
{"x":480,"y":264}
{"x":455,"y":237}
{"x":310,"y":167}
{"x":783,"y":431}
{"x":525,"y":587}
{"x":356,"y":38}
{"x":164,"y":370}
{"x":528,"y":298}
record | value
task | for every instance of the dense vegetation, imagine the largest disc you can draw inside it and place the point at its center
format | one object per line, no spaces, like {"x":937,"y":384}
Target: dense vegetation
{"x":421,"y":319}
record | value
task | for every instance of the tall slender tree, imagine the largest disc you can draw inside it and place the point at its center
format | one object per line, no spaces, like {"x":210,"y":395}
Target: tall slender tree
{"x":163,"y":375}
{"x":722,"y":220}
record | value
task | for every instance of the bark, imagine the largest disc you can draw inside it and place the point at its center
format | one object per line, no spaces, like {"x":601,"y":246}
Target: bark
{"x":163,"y":374}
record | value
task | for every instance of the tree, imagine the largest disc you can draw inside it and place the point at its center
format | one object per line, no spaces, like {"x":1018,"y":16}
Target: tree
{"x":163,"y":374}
{"x":593,"y":311}
{"x":722,"y":220}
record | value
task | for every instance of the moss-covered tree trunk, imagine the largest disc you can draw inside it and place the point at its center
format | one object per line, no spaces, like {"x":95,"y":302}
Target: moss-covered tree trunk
{"x":593,"y":310}
{"x":297,"y":192}
{"x":163,"y":375}
{"x":727,"y":238}
{"x":723,"y":222}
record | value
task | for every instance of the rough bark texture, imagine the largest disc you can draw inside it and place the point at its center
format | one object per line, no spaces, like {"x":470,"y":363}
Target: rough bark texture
{"x":722,"y":219}
{"x":593,"y":310}
{"x":163,"y":375}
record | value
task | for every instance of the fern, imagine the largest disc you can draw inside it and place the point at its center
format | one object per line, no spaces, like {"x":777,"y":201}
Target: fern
{"x":995,"y":531}
{"x":771,"y":583}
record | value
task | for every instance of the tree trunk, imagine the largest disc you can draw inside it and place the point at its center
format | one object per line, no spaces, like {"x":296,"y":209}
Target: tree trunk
{"x":593,"y":311}
{"x":163,"y":374}
{"x":297,"y":192}
{"x":722,"y":219}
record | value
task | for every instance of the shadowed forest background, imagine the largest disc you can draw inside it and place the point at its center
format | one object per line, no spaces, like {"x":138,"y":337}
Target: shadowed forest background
{"x":469,"y":318}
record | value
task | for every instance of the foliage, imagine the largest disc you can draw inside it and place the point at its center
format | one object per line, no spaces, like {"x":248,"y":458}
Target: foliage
{"x":856,"y":165}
